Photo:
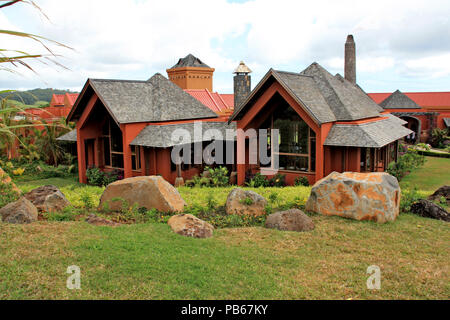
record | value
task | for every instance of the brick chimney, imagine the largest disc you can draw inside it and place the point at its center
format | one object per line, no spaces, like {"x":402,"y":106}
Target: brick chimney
{"x":350,"y":60}
{"x":242,"y":84}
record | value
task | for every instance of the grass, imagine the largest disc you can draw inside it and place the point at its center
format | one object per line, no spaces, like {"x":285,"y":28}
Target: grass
{"x":434,"y":174}
{"x":149,"y":261}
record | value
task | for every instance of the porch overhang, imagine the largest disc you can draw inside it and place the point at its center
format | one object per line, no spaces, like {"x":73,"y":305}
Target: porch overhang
{"x":160,"y":136}
{"x":70,"y":136}
{"x":374,"y":134}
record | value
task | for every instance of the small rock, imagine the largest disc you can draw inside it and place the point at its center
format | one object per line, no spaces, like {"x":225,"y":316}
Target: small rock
{"x":290,"y":220}
{"x":245,"y":202}
{"x":190,"y":226}
{"x":233,"y":177}
{"x":443,"y":191}
{"x":97,"y":221}
{"x":47,"y":198}
{"x":20,"y":211}
{"x":428,"y":209}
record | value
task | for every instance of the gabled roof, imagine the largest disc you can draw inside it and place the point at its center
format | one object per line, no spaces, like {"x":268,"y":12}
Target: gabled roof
{"x":190,"y":61}
{"x":326,"y":98}
{"x":346,"y":100}
{"x":398,"y":100}
{"x":71,"y":97}
{"x":57,"y":99}
{"x":375,"y":134}
{"x":160,"y":136}
{"x":154,"y":100}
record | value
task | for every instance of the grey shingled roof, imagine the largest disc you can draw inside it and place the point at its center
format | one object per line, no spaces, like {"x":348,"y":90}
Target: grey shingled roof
{"x":371,"y":135}
{"x":326,"y":98}
{"x":154,"y":100}
{"x":395,"y":118}
{"x":399,"y":100}
{"x":346,"y":100}
{"x":160,"y":136}
{"x":70,"y":136}
{"x":190,"y":61}
{"x":306,"y":91}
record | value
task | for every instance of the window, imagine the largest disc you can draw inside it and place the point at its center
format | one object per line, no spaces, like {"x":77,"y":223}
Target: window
{"x":135,"y":158}
{"x":297,"y":142}
{"x":112,"y":145}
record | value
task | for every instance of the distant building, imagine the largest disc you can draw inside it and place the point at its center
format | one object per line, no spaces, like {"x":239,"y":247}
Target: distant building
{"x":423,"y":111}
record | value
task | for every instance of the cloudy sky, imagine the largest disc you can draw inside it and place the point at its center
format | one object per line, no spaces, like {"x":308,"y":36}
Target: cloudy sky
{"x":400,"y":44}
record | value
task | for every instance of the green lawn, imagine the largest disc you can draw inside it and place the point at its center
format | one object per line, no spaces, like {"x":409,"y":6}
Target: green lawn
{"x":434,"y":174}
{"x":149,"y":261}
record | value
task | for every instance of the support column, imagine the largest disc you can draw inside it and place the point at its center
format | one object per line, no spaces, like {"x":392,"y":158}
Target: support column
{"x":81,"y":157}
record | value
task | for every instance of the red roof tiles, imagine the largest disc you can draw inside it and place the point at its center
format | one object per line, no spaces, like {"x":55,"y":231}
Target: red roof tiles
{"x":423,"y":99}
{"x":219,"y":103}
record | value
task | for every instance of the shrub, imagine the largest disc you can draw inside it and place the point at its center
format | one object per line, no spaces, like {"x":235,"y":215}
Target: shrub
{"x":409,"y":196}
{"x":406,"y":163}
{"x":257,"y":181}
{"x":95,"y":176}
{"x":438,"y":136}
{"x":278,"y":180}
{"x":218,"y":176}
{"x":301,"y":181}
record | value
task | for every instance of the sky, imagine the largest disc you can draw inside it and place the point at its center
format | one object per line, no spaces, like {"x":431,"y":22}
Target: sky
{"x":401,"y":45}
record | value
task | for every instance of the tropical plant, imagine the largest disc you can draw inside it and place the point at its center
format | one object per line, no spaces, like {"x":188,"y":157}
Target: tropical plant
{"x":438,"y":136}
{"x":49,"y":148}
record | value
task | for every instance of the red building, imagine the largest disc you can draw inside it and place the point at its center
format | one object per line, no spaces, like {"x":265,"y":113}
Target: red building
{"x":423,"y":111}
{"x":326,"y":122}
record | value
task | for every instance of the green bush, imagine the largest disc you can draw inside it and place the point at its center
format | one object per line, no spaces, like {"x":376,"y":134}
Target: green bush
{"x":219,"y":176}
{"x":438,"y":136}
{"x":278,"y":180}
{"x":407,"y":162}
{"x":96,"y":177}
{"x":409,"y":196}
{"x":301,"y":181}
{"x":257,"y":181}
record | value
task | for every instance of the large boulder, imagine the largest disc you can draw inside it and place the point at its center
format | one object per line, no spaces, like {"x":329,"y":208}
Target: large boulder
{"x":47,"y":198}
{"x":190,"y":226}
{"x":245,"y":202}
{"x":362,"y":196}
{"x":20,"y":211}
{"x":290,"y":220}
{"x":444,"y":192}
{"x":146,"y":192}
{"x":428,"y":209}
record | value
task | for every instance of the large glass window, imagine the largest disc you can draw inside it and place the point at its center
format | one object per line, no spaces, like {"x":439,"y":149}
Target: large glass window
{"x":296,"y":140}
{"x":112,"y":145}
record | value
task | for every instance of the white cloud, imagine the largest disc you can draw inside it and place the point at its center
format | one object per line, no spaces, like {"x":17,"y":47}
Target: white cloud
{"x":134,"y":39}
